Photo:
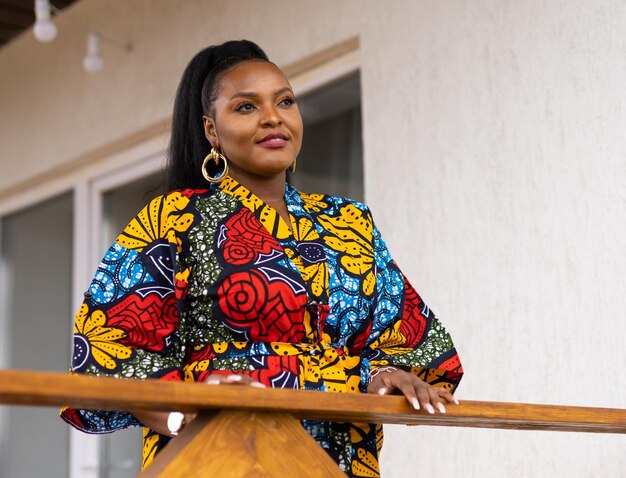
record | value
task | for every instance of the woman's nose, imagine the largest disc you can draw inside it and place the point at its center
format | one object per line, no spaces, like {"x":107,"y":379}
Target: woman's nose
{"x":271,"y":117}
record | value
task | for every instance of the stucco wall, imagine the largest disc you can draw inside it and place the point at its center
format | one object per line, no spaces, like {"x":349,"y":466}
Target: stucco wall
{"x":495,"y":165}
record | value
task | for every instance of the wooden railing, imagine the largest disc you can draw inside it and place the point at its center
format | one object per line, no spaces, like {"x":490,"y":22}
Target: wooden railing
{"x":257,"y":431}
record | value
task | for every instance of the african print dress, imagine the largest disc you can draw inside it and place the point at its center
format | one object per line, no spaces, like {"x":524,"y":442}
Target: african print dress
{"x":215,"y":281}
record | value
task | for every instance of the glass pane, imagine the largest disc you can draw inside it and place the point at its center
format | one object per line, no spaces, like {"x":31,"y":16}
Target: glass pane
{"x":121,"y":204}
{"x":331,"y":159}
{"x":121,"y":451}
{"x":36,"y":265}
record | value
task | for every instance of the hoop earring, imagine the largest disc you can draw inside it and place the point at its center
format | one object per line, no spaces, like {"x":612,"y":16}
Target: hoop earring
{"x":292,"y":168}
{"x":214,"y":156}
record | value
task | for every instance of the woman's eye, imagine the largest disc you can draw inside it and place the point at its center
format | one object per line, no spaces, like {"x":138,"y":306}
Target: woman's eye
{"x":287,"y":101}
{"x":244,"y":107}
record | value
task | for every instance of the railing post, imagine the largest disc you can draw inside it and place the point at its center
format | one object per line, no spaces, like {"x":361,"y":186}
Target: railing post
{"x":233,"y":444}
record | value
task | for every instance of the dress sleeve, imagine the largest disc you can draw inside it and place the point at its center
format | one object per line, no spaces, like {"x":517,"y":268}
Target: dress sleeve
{"x":128,"y":325}
{"x":405,"y":332}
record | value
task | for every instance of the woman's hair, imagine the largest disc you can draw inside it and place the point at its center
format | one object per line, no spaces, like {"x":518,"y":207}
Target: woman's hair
{"x":196,"y":93}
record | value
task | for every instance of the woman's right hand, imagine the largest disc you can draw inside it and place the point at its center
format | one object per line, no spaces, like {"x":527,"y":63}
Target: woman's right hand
{"x":158,"y":420}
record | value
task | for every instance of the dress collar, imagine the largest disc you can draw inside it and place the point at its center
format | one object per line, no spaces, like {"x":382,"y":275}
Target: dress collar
{"x":272,"y":220}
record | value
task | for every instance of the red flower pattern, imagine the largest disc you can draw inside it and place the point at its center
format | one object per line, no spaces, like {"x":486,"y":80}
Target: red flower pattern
{"x":147,"y":321}
{"x":246,"y":238}
{"x":413,"y":322}
{"x":268,"y":311}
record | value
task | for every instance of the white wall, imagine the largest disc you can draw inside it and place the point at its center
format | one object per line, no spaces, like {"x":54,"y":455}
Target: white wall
{"x":495,"y":166}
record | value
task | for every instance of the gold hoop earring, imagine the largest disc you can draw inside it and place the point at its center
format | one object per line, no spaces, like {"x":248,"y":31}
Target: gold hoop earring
{"x":292,"y":168}
{"x":216,"y":157}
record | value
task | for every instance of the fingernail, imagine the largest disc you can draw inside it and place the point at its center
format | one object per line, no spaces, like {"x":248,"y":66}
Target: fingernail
{"x":429,"y":408}
{"x":257,"y":385}
{"x":441,"y":408}
{"x":212,"y":382}
{"x":415,"y":403}
{"x":456,"y":401}
{"x":234,"y":378}
{"x":382,"y":391}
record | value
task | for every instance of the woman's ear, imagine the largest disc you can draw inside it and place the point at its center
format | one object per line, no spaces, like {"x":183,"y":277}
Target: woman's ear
{"x":209,"y":130}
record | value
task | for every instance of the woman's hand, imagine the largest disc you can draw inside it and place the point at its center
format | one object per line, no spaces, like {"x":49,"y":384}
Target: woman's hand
{"x":417,"y":392}
{"x":158,"y":420}
{"x":217,"y":379}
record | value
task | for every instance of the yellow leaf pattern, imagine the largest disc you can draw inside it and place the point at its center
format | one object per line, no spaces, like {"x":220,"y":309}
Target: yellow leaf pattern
{"x":351,"y":236}
{"x":103,"y":345}
{"x":161,"y":217}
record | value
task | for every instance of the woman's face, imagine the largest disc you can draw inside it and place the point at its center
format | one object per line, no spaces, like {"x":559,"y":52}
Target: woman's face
{"x":256,"y":122}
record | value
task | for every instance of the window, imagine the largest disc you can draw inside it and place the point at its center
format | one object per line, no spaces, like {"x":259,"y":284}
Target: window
{"x":331,"y":159}
{"x":36,"y":283}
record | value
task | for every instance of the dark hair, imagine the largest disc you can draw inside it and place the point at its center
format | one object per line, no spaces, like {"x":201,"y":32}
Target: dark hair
{"x":194,"y":98}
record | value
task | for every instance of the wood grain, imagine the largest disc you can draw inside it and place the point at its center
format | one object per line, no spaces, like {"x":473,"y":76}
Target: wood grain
{"x":243,"y":444}
{"x":22,"y":387}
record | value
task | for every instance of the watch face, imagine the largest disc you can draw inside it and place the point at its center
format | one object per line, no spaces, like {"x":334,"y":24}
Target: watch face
{"x":175,"y":422}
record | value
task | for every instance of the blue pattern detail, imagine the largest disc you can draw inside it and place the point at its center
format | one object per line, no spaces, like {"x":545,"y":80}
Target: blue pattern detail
{"x":120,"y":270}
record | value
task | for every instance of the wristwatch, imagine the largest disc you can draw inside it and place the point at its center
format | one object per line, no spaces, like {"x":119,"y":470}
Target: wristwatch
{"x":175,"y":422}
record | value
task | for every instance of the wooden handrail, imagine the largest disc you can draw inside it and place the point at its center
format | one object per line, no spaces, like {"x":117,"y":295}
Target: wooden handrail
{"x":22,"y":387}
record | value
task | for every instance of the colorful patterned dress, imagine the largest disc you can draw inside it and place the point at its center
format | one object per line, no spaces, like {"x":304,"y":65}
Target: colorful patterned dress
{"x":214,"y":281}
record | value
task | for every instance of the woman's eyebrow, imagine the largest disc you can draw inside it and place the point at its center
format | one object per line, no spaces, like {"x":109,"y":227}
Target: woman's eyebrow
{"x":251,"y":94}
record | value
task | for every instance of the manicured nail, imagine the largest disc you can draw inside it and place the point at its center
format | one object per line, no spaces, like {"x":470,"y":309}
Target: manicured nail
{"x":382,"y":391}
{"x":441,"y":408}
{"x":212,"y":382}
{"x":415,"y":403}
{"x":257,"y":385}
{"x":456,"y":401}
{"x":429,"y":408}
{"x":234,"y":378}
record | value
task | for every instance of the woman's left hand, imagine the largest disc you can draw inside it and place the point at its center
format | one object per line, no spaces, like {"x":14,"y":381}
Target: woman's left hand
{"x":417,"y":392}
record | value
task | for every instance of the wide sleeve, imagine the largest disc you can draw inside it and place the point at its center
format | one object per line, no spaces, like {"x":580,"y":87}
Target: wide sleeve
{"x":128,"y":325}
{"x":405,"y":332}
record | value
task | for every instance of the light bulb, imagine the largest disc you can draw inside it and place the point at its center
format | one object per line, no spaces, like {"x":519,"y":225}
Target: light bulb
{"x":93,"y":61}
{"x":44,"y":29}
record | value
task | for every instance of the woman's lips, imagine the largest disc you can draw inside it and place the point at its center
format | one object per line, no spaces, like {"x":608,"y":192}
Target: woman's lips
{"x":273,"y":141}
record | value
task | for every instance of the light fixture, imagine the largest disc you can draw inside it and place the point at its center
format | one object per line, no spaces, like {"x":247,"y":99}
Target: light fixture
{"x":93,"y":61}
{"x":44,"y":29}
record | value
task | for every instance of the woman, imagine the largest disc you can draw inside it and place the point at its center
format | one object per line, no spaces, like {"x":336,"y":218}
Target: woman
{"x":236,"y":277}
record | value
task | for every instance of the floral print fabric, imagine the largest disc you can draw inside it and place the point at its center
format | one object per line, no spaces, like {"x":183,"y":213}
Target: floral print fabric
{"x":216,"y":282}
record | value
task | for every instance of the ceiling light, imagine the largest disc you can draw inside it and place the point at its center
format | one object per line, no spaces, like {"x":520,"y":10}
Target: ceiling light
{"x":93,"y":61}
{"x":44,"y":29}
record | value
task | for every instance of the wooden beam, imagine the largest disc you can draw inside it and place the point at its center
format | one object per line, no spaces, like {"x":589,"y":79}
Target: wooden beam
{"x":21,"y":387}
